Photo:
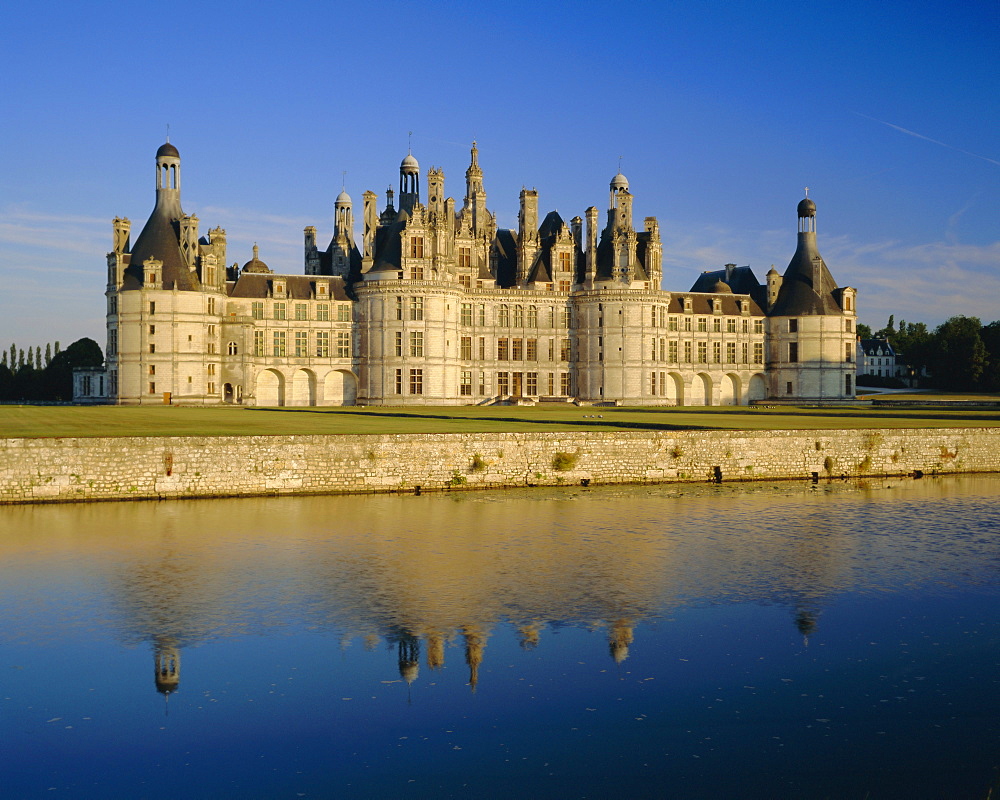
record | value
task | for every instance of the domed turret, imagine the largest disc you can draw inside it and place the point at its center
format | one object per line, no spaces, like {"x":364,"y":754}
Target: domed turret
{"x":409,"y":165}
{"x":807,"y":208}
{"x":343,"y":199}
{"x":167,"y":149}
{"x":619,"y":182}
{"x":721,"y":287}
{"x":255,"y":265}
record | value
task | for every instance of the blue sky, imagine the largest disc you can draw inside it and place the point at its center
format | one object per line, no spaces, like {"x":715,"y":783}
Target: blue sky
{"x":722,"y":113}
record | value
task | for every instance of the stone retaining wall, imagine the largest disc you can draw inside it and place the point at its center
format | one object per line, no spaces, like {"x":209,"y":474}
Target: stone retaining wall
{"x":55,"y":470}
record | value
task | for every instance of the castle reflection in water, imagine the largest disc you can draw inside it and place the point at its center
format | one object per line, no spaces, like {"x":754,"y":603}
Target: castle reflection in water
{"x":425,"y":576}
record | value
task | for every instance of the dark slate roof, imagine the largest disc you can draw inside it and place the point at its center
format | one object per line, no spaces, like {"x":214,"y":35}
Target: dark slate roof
{"x":798,"y":296}
{"x":551,"y":226}
{"x":605,"y":268}
{"x":159,"y":239}
{"x":297,"y":287}
{"x":167,"y":149}
{"x":541,"y":270}
{"x":876,"y":347}
{"x":740,"y":279}
{"x":389,"y":245}
{"x":701,"y":304}
{"x":505,"y":250}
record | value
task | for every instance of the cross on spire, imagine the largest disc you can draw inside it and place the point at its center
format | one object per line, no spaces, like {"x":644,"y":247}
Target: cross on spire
{"x":807,"y":191}
{"x":168,"y":131}
{"x":409,"y":143}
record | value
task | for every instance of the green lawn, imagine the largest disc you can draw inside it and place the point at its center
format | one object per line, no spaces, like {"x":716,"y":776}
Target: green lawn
{"x":62,"y":421}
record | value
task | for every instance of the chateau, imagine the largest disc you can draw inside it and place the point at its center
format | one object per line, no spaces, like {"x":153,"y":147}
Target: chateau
{"x":438,"y":305}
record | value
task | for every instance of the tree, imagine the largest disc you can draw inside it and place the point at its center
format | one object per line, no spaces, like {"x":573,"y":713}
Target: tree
{"x":59,"y":374}
{"x":48,"y":354}
{"x":13,"y":355}
{"x":991,"y":340}
{"x":864,"y":331}
{"x":957,"y":355}
{"x":6,"y":381}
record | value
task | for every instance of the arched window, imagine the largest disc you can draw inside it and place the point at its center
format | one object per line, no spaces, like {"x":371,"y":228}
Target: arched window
{"x":232,"y":348}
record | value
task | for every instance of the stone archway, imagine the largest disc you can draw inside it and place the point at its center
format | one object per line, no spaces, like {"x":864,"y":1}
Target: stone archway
{"x":303,"y":388}
{"x":758,"y":388}
{"x":675,"y":389}
{"x":270,"y":389}
{"x":701,"y":390}
{"x":340,"y":388}
{"x":730,"y":390}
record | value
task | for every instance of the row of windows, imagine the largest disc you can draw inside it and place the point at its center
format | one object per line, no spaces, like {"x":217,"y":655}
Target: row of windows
{"x":517,"y":316}
{"x":279,"y":310}
{"x":300,"y":344}
{"x":210,"y":386}
{"x":507,"y":383}
{"x":674,"y":352}
{"x":793,"y":352}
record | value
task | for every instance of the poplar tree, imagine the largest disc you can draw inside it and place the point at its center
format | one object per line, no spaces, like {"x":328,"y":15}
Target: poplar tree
{"x":20,"y":358}
{"x":48,"y":354}
{"x":38,"y":357}
{"x":13,"y":355}
{"x":31,"y":358}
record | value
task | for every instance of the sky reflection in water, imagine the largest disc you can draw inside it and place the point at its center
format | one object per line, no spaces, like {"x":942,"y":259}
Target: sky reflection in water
{"x":773,"y":640}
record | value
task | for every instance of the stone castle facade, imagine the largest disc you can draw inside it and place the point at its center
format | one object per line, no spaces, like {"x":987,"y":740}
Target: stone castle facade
{"x":438,"y":305}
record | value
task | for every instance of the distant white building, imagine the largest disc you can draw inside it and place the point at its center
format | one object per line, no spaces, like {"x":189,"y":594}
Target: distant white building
{"x":90,"y":385}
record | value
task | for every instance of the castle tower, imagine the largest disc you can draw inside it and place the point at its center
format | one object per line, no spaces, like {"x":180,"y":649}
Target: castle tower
{"x":409,"y":184}
{"x":811,"y":324}
{"x":167,"y":666}
{"x":475,"y":195}
{"x":527,"y":234}
{"x":620,"y":230}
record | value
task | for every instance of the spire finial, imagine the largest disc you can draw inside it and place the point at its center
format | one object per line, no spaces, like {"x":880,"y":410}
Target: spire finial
{"x":409,"y":143}
{"x":256,"y":251}
{"x":620,"y":163}
{"x":807,"y":191}
{"x":168,"y":132}
{"x":343,"y":180}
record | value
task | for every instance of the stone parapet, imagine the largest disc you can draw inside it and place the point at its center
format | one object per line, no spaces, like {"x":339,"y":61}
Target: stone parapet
{"x":84,"y":469}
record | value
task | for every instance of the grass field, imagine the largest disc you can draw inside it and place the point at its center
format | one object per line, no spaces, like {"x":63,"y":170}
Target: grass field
{"x":68,"y":421}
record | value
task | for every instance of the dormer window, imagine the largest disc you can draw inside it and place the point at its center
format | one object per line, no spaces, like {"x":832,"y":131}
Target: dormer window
{"x":321,"y":289}
{"x":717,"y":306}
{"x":279,"y":287}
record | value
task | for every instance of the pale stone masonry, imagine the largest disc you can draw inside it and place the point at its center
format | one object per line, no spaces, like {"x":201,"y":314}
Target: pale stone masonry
{"x":438,"y":305}
{"x":58,"y":470}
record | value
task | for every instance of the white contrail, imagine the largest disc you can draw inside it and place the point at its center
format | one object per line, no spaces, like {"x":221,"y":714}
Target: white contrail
{"x":929,"y":139}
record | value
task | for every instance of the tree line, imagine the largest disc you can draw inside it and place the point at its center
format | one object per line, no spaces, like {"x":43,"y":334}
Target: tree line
{"x":28,"y":375}
{"x":961,"y":354}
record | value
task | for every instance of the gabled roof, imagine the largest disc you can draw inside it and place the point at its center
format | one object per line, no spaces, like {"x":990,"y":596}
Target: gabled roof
{"x":876,"y":347}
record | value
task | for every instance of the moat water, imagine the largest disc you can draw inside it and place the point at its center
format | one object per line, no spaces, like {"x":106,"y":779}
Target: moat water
{"x":757,"y":641}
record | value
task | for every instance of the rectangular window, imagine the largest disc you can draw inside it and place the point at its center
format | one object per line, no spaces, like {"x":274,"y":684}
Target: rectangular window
{"x":531,"y":383}
{"x":416,"y":381}
{"x":717,"y":324}
{"x":552,"y":384}
{"x":532,"y":316}
{"x":567,"y":318}
{"x":652,"y":349}
{"x":482,"y":348}
{"x":482,"y":383}
{"x":152,"y":369}
{"x":152,"y":348}
{"x":565,"y":286}
{"x":152,"y":330}
{"x":417,"y":272}
{"x":343,"y":344}
{"x":323,"y":312}
{"x":793,"y":326}
{"x":211,"y":387}
{"x":482,"y":314}
{"x":503,"y":383}
{"x":301,"y":344}
{"x":745,"y":352}
{"x":112,"y":341}
{"x":417,"y":247}
{"x":416,"y":308}
{"x":417,"y":344}
{"x":211,"y":305}
{"x":687,"y":352}
{"x":323,"y":344}
{"x":279,"y":310}
{"x":531,"y":350}
{"x":565,"y":264}
{"x":848,"y":352}
{"x":702,"y":352}
{"x":672,"y":352}
{"x":652,"y":383}
{"x":703,"y":324}
{"x":730,"y":352}
{"x":211,"y":369}
{"x":518,"y":316}
{"x":758,"y":326}
{"x":399,"y":381}
{"x":502,"y":348}
{"x":279,"y":343}
{"x":465,"y":384}
{"x":503,"y":316}
{"x":847,"y":384}
{"x":258,"y":343}
{"x":399,"y":308}
{"x":300,"y":311}
{"x":565,"y":387}
{"x":687,"y":324}
{"x":152,"y":307}
{"x":564,"y":350}
{"x":343,"y":312}
{"x":399,"y":344}
{"x":466,"y":348}
{"x":552,"y":349}
{"x":516,"y":349}
{"x":758,"y":352}
{"x":465,"y":281}
{"x":673,"y":323}
{"x":152,"y":387}
{"x":466,"y":318}
{"x":793,"y":351}
{"x":788,"y":387}
{"x":731,"y":325}
{"x":716,"y":352}
{"x":663,"y":349}
{"x":746,"y":326}
{"x":849,"y":326}
{"x":465,"y":257}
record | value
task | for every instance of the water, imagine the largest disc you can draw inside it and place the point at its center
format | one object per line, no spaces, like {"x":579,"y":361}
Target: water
{"x":772,"y":641}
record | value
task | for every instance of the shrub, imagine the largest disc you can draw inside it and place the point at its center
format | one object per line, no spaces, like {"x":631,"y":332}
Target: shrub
{"x":562,"y":462}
